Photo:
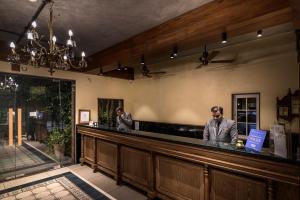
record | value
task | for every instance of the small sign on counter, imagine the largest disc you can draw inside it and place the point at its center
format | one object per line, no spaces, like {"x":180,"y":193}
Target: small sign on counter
{"x":280,"y":148}
{"x":137,"y":125}
{"x":256,"y":139}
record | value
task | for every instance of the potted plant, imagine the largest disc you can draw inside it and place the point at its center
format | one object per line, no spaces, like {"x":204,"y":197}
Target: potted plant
{"x":56,"y":141}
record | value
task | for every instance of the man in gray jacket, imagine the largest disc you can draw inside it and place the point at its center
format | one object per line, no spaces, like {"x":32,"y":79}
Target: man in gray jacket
{"x":124,"y":120}
{"x":220,"y":129}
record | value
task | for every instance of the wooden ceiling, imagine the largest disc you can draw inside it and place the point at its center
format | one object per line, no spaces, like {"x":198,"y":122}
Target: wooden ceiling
{"x":200,"y":26}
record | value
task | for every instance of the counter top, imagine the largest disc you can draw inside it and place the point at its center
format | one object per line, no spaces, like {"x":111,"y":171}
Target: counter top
{"x":264,"y":154}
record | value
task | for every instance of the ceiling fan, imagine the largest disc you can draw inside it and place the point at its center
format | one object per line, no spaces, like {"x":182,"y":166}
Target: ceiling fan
{"x":146,"y":72}
{"x":207,"y":58}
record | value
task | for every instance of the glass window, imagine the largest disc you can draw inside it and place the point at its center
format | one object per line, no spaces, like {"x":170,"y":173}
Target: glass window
{"x":246,"y":112}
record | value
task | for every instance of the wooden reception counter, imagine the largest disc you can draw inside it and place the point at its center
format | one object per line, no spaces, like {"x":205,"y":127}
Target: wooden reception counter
{"x":172,"y":167}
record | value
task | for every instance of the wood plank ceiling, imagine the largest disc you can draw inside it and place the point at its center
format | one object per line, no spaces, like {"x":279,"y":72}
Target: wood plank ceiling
{"x":200,"y":26}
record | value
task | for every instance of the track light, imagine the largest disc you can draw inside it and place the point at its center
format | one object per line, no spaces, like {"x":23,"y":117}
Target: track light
{"x":119,"y":67}
{"x":174,"y":53}
{"x":100,"y":71}
{"x":142,"y":59}
{"x":259,"y":33}
{"x":224,"y":38}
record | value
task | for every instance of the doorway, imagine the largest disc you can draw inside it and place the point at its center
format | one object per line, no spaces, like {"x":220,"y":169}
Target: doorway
{"x":36,"y":124}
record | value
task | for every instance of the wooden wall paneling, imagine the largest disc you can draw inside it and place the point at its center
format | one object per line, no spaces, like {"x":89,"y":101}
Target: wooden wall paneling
{"x":135,"y":167}
{"x":286,"y":191}
{"x":81,"y":160}
{"x":179,"y":179}
{"x":226,"y":185}
{"x":270,"y":190}
{"x":118,"y":176}
{"x":234,"y":162}
{"x":206,"y":183}
{"x":253,"y":177}
{"x":237,"y":17}
{"x":94,"y":164}
{"x":89,"y":149}
{"x":295,"y":6}
{"x":107,"y":155}
{"x":152,"y":184}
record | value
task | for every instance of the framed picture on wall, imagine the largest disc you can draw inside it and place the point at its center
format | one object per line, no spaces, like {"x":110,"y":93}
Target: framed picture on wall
{"x":84,"y":116}
{"x":107,"y":111}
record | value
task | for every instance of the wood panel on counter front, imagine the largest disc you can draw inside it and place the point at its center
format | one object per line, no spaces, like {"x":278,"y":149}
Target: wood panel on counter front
{"x":170,"y":170}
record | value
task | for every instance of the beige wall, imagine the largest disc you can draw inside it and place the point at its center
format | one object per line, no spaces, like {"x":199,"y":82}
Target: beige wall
{"x":88,"y":87}
{"x":186,"y":95}
{"x":268,"y":66}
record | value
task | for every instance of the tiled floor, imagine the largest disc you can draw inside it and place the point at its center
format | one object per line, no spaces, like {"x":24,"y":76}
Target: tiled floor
{"x":18,"y":160}
{"x":98,"y":180}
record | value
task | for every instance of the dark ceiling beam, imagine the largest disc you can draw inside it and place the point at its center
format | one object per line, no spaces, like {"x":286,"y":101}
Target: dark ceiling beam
{"x":34,"y":17}
{"x":10,"y":32}
{"x":201,"y":25}
{"x":295,"y":6}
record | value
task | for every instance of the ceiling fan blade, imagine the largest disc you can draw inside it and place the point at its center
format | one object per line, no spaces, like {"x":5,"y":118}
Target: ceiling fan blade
{"x":199,"y":66}
{"x":222,"y":61}
{"x":157,"y":73}
{"x":212,"y":55}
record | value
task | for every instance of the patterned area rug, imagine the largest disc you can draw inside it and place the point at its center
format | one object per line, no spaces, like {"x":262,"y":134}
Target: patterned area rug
{"x":64,"y":186}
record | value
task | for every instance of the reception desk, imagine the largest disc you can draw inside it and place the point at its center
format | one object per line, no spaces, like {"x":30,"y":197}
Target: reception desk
{"x":172,"y":167}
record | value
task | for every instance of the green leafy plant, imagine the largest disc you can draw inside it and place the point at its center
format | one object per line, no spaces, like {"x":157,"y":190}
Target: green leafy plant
{"x":56,"y":137}
{"x":61,"y":137}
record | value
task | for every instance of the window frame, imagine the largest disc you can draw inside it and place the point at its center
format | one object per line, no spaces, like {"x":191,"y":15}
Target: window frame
{"x":235,"y":96}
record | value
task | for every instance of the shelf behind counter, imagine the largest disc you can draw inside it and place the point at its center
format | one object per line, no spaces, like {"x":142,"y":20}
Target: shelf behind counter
{"x":173,"y":167}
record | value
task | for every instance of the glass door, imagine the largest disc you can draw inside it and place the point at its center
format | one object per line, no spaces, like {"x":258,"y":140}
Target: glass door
{"x":8,"y":129}
{"x":35,"y":124}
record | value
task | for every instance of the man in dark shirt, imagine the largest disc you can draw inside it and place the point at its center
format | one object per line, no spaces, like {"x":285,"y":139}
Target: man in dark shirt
{"x":220,"y":129}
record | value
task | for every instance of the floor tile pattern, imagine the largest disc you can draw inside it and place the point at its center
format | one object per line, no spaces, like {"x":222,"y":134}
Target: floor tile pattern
{"x":64,"y":186}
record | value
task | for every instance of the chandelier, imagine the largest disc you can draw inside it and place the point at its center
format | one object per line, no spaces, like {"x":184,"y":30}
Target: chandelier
{"x":8,"y":84}
{"x":52,"y":55}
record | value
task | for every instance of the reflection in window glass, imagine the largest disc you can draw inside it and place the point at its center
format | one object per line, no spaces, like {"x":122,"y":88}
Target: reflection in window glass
{"x":246,"y":112}
{"x":241,"y":103}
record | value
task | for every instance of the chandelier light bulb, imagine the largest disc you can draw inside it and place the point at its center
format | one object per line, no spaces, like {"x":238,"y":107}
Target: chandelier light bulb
{"x":70,"y":33}
{"x":29,"y":36}
{"x":32,"y":53}
{"x":54,"y":39}
{"x":65,"y":57}
{"x":34,"y":24}
{"x":12,"y":45}
{"x":83,"y":54}
{"x":69,"y":42}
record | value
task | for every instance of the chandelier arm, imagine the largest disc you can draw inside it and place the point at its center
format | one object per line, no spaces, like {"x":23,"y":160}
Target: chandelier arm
{"x":39,"y":45}
{"x":62,"y":50}
{"x":74,"y":66}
